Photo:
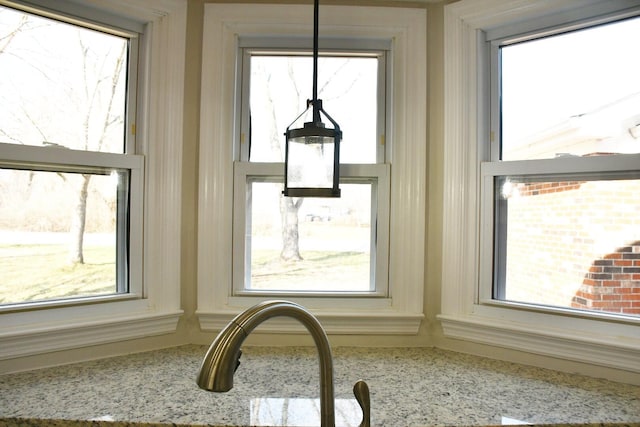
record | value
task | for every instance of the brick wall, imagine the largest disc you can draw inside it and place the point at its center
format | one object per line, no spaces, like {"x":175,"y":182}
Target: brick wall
{"x":539,"y":188}
{"x":613,"y":283}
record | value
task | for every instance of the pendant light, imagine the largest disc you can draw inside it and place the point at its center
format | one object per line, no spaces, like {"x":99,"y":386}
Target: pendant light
{"x":312,"y":152}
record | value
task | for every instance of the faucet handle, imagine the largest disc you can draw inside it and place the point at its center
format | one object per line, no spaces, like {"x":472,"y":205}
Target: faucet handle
{"x":361,"y":392}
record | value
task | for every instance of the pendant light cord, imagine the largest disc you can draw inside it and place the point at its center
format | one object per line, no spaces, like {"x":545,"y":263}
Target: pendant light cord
{"x":316,"y":107}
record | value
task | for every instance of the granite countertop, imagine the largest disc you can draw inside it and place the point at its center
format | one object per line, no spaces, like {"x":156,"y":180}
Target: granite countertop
{"x":280,"y":386}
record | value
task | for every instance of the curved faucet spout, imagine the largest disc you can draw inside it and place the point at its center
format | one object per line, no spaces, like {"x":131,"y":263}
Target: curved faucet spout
{"x":222,"y":358}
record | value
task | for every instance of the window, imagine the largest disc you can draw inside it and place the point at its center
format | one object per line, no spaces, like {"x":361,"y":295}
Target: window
{"x":311,"y":245}
{"x":70,"y":175}
{"x":126,"y":149}
{"x":356,"y":276}
{"x":537,"y":239}
{"x":566,"y":169}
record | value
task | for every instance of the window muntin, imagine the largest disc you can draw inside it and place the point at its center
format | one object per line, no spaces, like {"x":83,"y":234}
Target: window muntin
{"x":352,"y":87}
{"x":566,"y":239}
{"x":67,"y":95}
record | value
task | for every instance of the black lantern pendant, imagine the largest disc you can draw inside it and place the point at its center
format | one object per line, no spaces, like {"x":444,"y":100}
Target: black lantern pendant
{"x":312,"y":153}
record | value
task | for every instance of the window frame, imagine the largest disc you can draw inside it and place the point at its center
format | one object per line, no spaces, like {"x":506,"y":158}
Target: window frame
{"x":468,"y":312}
{"x":376,"y":174}
{"x":154,"y":160}
{"x":405,"y":28}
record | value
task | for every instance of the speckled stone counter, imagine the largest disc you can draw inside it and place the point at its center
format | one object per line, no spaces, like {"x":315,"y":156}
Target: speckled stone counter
{"x":279,"y":386}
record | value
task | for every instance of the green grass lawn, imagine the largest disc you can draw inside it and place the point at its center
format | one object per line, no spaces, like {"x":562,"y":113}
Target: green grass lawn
{"x":41,"y":272}
{"x":326,"y":270}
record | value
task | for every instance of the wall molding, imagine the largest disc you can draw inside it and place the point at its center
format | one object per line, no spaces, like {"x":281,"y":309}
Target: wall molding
{"x":48,"y":339}
{"x":565,"y":345}
{"x":333,"y":323}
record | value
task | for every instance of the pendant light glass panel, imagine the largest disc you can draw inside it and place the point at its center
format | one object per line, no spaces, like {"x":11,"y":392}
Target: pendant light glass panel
{"x":311,"y":162}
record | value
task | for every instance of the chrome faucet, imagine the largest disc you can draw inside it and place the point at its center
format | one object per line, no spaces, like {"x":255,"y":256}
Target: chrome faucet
{"x":223,"y":357}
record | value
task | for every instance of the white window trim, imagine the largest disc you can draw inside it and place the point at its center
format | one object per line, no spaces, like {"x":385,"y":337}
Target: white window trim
{"x":402,"y":313}
{"x":378,"y":172}
{"x":159,"y":135}
{"x":586,"y":339}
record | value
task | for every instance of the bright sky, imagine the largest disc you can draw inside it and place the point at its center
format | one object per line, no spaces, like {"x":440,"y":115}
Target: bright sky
{"x":347,"y":87}
{"x":549,"y":80}
{"x":43,"y":95}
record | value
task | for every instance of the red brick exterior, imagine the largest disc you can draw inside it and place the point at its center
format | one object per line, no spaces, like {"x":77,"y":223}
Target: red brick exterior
{"x":612,"y":283}
{"x":539,"y":188}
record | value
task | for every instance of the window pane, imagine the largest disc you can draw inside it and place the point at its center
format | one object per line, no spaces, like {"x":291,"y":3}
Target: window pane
{"x":320,"y":244}
{"x":57,"y":235}
{"x":60,"y":84}
{"x":281,"y":86}
{"x":572,"y":94}
{"x":572,"y":244}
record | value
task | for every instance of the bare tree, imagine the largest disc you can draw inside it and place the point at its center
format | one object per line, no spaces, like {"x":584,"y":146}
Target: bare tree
{"x":92,"y":90}
{"x":289,"y":206}
{"x":5,"y":40}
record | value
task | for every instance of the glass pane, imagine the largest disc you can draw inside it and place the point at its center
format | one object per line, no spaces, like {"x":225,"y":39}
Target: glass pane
{"x":57,"y":235}
{"x":572,"y":94}
{"x":310,"y":165}
{"x":60,"y":84}
{"x":316,"y":244}
{"x":281,"y":86}
{"x":573,"y":244}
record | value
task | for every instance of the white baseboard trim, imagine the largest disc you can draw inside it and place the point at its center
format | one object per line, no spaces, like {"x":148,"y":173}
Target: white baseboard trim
{"x":49,"y":339}
{"x":333,"y":323}
{"x":542,"y":342}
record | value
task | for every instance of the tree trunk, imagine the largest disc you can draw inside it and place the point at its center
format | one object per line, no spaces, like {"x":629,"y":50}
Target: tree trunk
{"x":289,"y":208}
{"x":78,"y":222}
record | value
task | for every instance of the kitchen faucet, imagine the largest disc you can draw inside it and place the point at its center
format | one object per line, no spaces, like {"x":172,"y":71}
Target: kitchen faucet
{"x":223,"y":357}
